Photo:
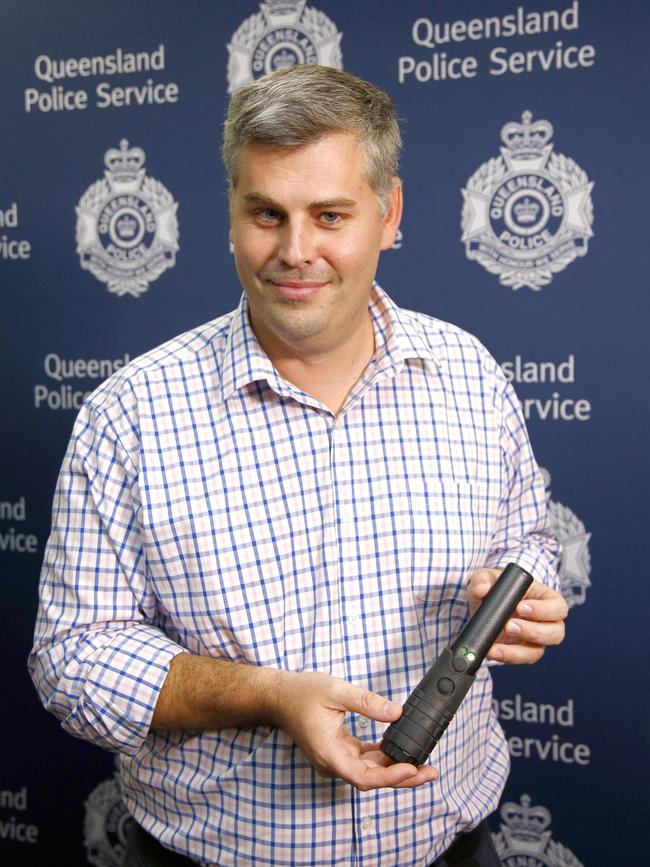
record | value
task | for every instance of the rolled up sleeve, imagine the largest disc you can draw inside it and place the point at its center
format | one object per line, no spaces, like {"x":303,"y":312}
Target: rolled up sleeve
{"x":98,"y":660}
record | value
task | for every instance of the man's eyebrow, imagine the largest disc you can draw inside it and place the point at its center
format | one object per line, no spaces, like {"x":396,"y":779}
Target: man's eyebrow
{"x":330,"y":204}
{"x":323,"y":205}
{"x":259,"y":199}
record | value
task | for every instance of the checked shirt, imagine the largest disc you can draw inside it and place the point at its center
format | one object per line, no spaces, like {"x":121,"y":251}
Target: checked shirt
{"x":205,"y":504}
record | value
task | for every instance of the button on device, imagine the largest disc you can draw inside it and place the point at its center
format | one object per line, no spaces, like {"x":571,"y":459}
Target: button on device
{"x":459,"y":663}
{"x":446,"y":685}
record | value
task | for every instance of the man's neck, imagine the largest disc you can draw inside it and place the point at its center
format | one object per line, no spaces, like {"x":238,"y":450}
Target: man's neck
{"x":329,"y":374}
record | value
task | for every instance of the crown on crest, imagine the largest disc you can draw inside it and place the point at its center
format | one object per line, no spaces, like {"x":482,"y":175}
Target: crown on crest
{"x":125,"y":163}
{"x":127,"y":226}
{"x":527,"y":210}
{"x":283,"y":59}
{"x":526,"y":138}
{"x":283,"y":7}
{"x":525,"y":822}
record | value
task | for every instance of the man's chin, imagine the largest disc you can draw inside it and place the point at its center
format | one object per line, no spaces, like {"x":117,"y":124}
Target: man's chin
{"x":295,"y":328}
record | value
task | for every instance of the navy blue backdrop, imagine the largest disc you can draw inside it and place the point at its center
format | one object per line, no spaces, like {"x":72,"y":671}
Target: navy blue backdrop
{"x":526,"y":187}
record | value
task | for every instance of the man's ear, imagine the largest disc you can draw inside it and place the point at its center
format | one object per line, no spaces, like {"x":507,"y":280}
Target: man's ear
{"x":230,"y":216}
{"x":393,"y":215}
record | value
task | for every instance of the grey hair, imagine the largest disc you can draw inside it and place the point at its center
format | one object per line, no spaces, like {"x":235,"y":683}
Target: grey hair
{"x":299,"y":105}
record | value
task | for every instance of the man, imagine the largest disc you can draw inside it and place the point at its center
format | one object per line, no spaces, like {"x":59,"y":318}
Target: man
{"x":267,"y":529}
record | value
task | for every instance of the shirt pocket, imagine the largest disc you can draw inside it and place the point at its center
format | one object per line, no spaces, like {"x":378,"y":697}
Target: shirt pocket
{"x":453,"y":524}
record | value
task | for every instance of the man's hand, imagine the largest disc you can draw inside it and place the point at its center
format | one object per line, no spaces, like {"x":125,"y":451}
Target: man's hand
{"x":538,"y":620}
{"x":311,"y":706}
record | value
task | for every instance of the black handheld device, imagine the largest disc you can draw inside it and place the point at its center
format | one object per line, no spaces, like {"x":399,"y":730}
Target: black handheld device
{"x":431,"y":706}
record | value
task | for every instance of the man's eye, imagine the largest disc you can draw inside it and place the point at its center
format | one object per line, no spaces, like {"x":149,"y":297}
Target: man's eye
{"x":269,"y":215}
{"x":331,"y":217}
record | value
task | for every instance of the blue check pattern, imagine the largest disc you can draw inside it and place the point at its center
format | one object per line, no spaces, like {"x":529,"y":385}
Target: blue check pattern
{"x":205,"y":504}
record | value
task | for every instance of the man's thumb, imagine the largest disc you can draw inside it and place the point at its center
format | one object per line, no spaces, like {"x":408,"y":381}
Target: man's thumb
{"x":368,"y":703}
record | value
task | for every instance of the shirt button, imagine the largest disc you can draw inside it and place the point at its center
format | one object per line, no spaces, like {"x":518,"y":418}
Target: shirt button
{"x":366,"y":823}
{"x":364,"y":722}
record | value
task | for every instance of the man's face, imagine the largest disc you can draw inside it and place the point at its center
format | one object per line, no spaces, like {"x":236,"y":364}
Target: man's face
{"x":307,"y":231}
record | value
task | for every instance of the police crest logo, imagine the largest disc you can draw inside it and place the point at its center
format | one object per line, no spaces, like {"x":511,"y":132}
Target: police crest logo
{"x":127,"y":230}
{"x":575,"y":560}
{"x":527,"y":213}
{"x":105,"y":825}
{"x":525,"y":838}
{"x":283,"y":33}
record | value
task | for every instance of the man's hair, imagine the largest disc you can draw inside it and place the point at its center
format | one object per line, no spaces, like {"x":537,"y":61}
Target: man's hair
{"x":299,"y":105}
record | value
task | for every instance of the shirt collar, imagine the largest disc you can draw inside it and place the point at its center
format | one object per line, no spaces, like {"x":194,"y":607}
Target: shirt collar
{"x":397,"y":339}
{"x":398,"y":335}
{"x":244,"y":359}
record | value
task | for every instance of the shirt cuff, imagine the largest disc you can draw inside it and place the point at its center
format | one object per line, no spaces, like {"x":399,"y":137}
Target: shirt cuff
{"x":542,"y":564}
{"x":123,"y":674}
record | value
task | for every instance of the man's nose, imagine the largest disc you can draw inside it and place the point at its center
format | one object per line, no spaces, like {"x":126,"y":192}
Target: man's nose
{"x":297,"y":242}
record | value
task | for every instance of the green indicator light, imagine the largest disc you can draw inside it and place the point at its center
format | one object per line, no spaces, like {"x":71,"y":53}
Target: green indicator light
{"x":470,"y":656}
{"x":462,"y":651}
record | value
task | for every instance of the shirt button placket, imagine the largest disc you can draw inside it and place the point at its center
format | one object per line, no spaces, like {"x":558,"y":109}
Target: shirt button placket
{"x":332,"y":561}
{"x":367,"y":830}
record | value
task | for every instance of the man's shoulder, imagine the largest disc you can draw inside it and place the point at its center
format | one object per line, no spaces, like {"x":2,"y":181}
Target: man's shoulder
{"x":193,"y":353}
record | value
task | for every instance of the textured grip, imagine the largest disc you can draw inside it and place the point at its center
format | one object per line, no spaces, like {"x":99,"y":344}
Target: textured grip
{"x":427,"y":712}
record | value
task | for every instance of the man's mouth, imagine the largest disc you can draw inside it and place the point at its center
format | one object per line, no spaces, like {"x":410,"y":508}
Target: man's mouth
{"x":296,"y":289}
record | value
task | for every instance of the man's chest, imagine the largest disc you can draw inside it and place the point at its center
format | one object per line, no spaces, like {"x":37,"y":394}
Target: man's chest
{"x":274,"y":528}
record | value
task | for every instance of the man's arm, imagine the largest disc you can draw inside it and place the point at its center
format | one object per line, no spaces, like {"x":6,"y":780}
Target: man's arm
{"x":98,"y":660}
{"x":206,"y":693}
{"x":523,"y":535}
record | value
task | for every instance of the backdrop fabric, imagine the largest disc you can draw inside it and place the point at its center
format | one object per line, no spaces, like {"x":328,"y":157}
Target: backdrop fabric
{"x":526,"y":189}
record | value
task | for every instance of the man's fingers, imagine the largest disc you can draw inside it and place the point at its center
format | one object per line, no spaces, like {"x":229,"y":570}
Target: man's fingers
{"x":516,"y":654}
{"x":370,"y":772}
{"x":480,"y":589}
{"x":547,"y":607}
{"x":398,"y":776}
{"x":372,"y":755}
{"x":541,"y":603}
{"x":480,"y":584}
{"x":533,"y":632}
{"x":486,"y":575}
{"x":425,"y":774}
{"x":367,"y":770}
{"x":365,"y":767}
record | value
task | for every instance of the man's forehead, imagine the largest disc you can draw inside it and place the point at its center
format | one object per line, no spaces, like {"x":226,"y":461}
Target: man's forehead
{"x":255,"y":151}
{"x":336,"y":163}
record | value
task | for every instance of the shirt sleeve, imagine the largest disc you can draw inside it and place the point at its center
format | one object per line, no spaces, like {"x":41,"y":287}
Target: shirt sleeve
{"x":98,"y":661}
{"x":523,"y":533}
